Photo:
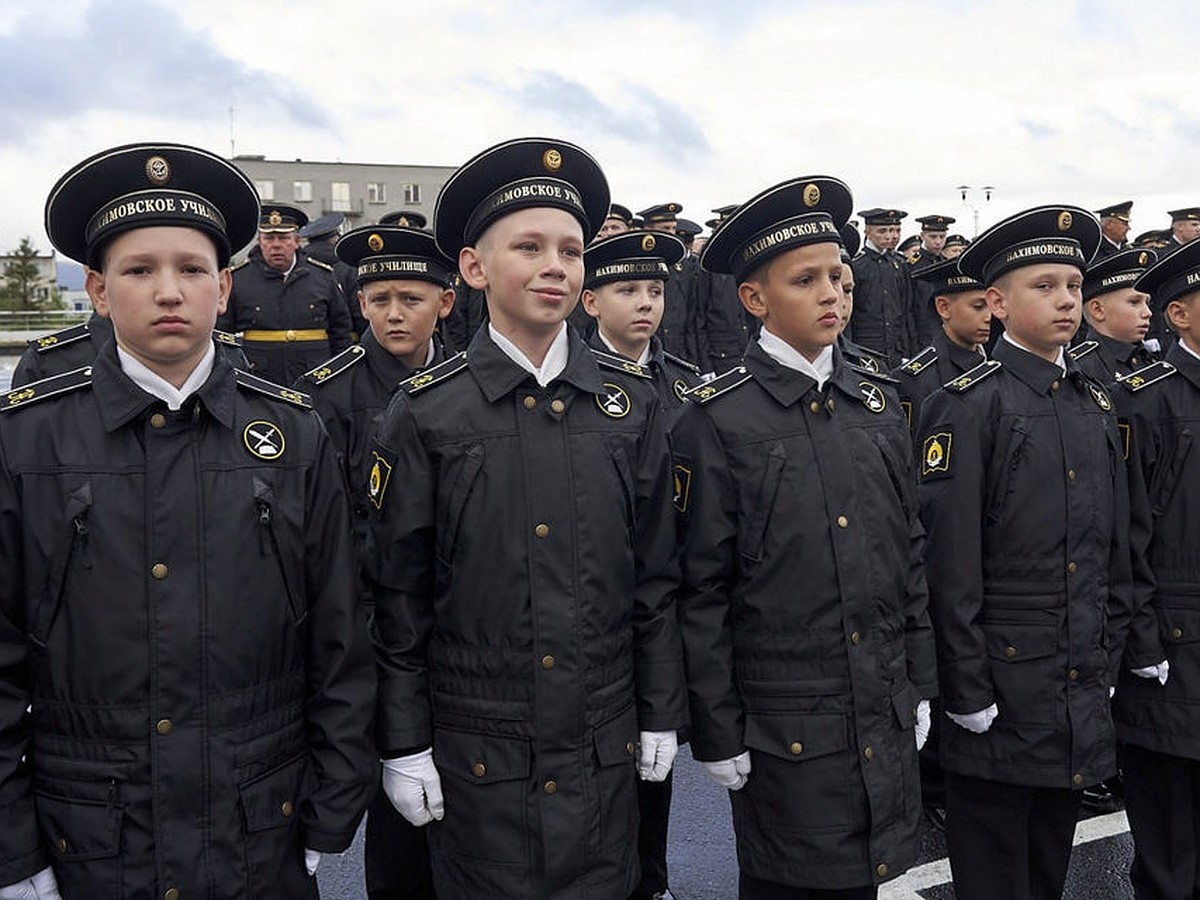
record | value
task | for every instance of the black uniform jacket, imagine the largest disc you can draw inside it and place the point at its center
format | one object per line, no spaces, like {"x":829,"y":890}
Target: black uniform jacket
{"x":1160,"y":419}
{"x":523,"y":565}
{"x":671,"y":376}
{"x":308,"y":299}
{"x":1024,"y":496}
{"x":927,"y":324}
{"x":803,"y":613}
{"x":1106,"y":359}
{"x":677,"y":331}
{"x":883,"y":304}
{"x":938,"y":364}
{"x":177,"y":609}
{"x":722,"y":324}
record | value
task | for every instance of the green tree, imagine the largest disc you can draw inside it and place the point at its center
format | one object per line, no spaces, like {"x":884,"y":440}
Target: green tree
{"x":21,"y":278}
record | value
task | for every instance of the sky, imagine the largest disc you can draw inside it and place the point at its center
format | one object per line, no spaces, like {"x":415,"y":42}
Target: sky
{"x":702,"y":103}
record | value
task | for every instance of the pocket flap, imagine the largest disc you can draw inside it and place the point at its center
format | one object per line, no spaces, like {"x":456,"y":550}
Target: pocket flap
{"x":273,"y":800}
{"x":1009,"y":642}
{"x":79,"y":829}
{"x":616,"y":739}
{"x":797,"y":737}
{"x":1180,"y":626}
{"x":481,"y":758}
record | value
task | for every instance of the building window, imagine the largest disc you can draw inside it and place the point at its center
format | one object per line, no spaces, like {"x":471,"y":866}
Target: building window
{"x":266,"y":190}
{"x":412,"y":194}
{"x":339,"y":196}
{"x":302,"y":191}
{"x":376,"y":192}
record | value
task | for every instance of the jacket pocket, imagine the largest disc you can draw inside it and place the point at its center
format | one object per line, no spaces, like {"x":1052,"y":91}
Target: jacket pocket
{"x":1009,"y":463}
{"x":624,"y":472}
{"x":1167,"y":475}
{"x":486,"y":787}
{"x":271,"y":846}
{"x":83,"y":832}
{"x":1024,"y":664}
{"x":72,"y":548}
{"x":451,"y":510}
{"x":269,"y":545}
{"x":615,"y":744}
{"x":1178,"y":626}
{"x":758,"y":516}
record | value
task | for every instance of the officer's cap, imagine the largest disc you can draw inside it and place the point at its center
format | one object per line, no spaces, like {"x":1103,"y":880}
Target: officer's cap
{"x":1184,"y":215}
{"x":908,"y":243}
{"x":279,"y":218}
{"x":955,"y":240}
{"x":724,"y":211}
{"x":407,"y":218}
{"x":792,"y":214}
{"x":663,"y":212}
{"x":324,"y":227}
{"x":622,"y":213}
{"x":1120,"y":270}
{"x":519,"y":174}
{"x":1117,"y":211}
{"x":149,"y":184}
{"x":1044,"y":234}
{"x":1154,"y":239}
{"x":935,"y":222}
{"x":394,"y":253}
{"x":687,"y":228}
{"x":945,"y":279}
{"x":1175,"y":275}
{"x":878,"y":216}
{"x":632,"y":256}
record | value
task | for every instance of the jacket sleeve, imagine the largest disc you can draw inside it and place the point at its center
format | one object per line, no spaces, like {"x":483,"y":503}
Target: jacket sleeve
{"x":952,"y":465}
{"x":1143,"y":643}
{"x":707,"y":506}
{"x":340,"y":674}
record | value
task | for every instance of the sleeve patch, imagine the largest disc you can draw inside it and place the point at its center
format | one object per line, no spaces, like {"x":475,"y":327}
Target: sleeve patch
{"x":1126,"y":431}
{"x":682,"y":487}
{"x":935,"y":455}
{"x":381,"y":473}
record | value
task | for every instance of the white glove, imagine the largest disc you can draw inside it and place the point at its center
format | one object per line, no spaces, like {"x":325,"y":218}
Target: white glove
{"x":976,"y":722}
{"x":413,"y":785}
{"x":730,"y":773}
{"x":312,"y":859}
{"x":923,"y":724}
{"x":657,"y":754}
{"x":39,"y":886}
{"x":1162,"y":671}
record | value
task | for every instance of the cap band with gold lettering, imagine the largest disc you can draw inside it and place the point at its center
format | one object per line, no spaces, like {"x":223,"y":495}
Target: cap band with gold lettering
{"x":394,"y":253}
{"x":631,"y":256}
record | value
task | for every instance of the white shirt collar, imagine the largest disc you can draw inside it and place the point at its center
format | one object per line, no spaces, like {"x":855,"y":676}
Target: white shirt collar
{"x":786,"y":355}
{"x":1061,"y":362}
{"x":552,"y":366}
{"x":159,"y":387}
{"x":870,"y":243}
{"x":643,"y":360}
{"x":1182,"y":343}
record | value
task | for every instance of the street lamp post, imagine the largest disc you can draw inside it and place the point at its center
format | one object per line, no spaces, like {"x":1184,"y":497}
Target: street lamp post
{"x":966,"y":191}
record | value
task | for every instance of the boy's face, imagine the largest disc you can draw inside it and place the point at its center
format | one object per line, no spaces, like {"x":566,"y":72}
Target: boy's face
{"x":934,"y":241}
{"x":846,"y":305}
{"x":163,"y":292}
{"x":628,"y":312}
{"x":1122,"y":315}
{"x":530,"y":263}
{"x":798,"y":295}
{"x":403,"y":315}
{"x":885,"y":237}
{"x":966,"y":317}
{"x":1040,"y":305}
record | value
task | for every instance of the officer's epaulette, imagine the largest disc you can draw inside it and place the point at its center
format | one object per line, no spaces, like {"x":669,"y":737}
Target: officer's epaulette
{"x":320,"y":264}
{"x":873,"y":373}
{"x":46,"y":388}
{"x":48,"y":342}
{"x":226,"y":337}
{"x":244,"y":262}
{"x":621,"y":364}
{"x":920,"y":362}
{"x":1079,"y":351}
{"x":973,"y":376}
{"x":337,"y":365}
{"x":439,"y":373}
{"x":722,"y":384}
{"x":271,"y":389}
{"x":1147,"y":376}
{"x":680,"y":361}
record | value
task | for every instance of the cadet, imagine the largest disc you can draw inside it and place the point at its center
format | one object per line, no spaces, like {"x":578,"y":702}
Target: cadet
{"x":1114,"y":225}
{"x":855,"y":353}
{"x":723,"y":327}
{"x":957,"y":348}
{"x":405,"y":218}
{"x":1155,"y":707}
{"x":928,"y":325}
{"x":1117,"y":317}
{"x":678,"y":329}
{"x":883,"y":291}
{"x":289,"y":308}
{"x":187,"y":682}
{"x":522,"y":560}
{"x":808,"y":647}
{"x":954,"y":246}
{"x":617,"y":221}
{"x":1025,"y":501}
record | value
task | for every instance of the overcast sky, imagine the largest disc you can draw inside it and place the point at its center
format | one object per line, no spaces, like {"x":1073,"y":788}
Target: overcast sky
{"x":704,"y":103}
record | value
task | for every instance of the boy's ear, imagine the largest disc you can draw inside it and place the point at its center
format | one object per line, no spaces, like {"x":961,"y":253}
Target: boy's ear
{"x":997,"y":302}
{"x":1095,"y":309}
{"x":1179,"y":313}
{"x":470,"y":267}
{"x":941,"y":303}
{"x":445,"y":303}
{"x":93,"y":283}
{"x":751,"y":295}
{"x":590,"y":303}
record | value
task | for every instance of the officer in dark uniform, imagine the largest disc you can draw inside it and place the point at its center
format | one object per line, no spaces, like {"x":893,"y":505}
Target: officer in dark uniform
{"x":933,"y":240}
{"x":187,"y":679}
{"x":883,"y":296}
{"x":1157,"y":704}
{"x":322,"y":235}
{"x":1025,"y":503}
{"x":405,"y":291}
{"x":723,"y":327}
{"x":1117,"y":316}
{"x":1114,"y":225}
{"x":808,"y":646}
{"x":288,"y":308}
{"x":522,"y":560}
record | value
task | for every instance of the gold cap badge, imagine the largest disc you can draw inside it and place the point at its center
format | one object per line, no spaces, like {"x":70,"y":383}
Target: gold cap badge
{"x":375,"y":242}
{"x":812,"y":195}
{"x":158,"y":170}
{"x":552,"y":160}
{"x":275,"y":218}
{"x":1064,"y":221}
{"x":648,"y":243}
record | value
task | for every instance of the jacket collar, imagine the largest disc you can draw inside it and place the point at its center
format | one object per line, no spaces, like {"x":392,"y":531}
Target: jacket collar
{"x":1034,"y":371}
{"x":960,"y":357}
{"x":1187,"y":364}
{"x":498,"y":375}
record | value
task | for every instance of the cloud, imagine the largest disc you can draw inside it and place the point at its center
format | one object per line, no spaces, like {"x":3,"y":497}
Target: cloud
{"x":133,"y":56}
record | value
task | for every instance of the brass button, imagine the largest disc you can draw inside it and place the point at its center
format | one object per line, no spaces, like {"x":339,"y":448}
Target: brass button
{"x":530,"y":402}
{"x":1077,"y":778}
{"x":158,"y":420}
{"x":815,"y":406}
{"x":1070,"y":474}
{"x":829,"y":404}
{"x":62,"y":845}
{"x":1010,"y":652}
{"x":542,"y":530}
{"x":547,"y":661}
{"x":558,"y":406}
{"x":286,"y":808}
{"x":291,"y":335}
{"x":1177,"y":633}
{"x":1054,"y":387}
{"x":550,"y":787}
{"x":171,"y":894}
{"x":855,"y":637}
{"x":843,"y":522}
{"x":1073,"y":674}
{"x":629,"y":748}
{"x":796,"y":748}
{"x":479,"y":770}
{"x":1071,"y":567}
{"x":159,"y":571}
{"x":868,"y":753}
{"x":881,"y":870}
{"x":163,"y":726}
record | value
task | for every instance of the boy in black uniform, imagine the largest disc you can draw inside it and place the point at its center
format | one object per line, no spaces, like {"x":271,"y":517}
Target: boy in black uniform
{"x":1157,"y":704}
{"x":186,"y":677}
{"x":853,"y":352}
{"x":1025,"y":500}
{"x":808,"y":647}
{"x":522,"y":560}
{"x":1117,"y":315}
